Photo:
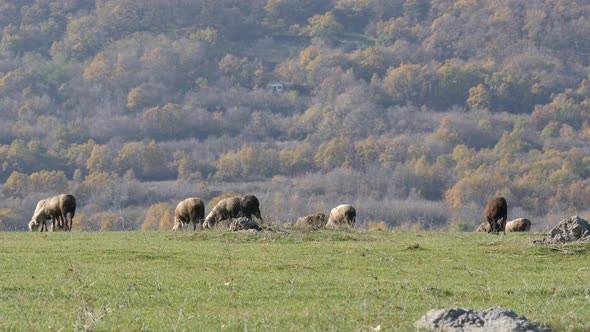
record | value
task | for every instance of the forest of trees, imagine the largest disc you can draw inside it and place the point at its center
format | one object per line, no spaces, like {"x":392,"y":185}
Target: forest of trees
{"x":415,"y":111}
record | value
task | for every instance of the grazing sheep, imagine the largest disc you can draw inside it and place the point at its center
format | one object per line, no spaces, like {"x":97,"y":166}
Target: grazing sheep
{"x":233,"y":207}
{"x":190,"y":210}
{"x":39,"y":218}
{"x":250,"y":206}
{"x":496,"y":210}
{"x":315,"y":220}
{"x":225,"y":209}
{"x":518,"y":225}
{"x":59,"y":208}
{"x":344,"y":214}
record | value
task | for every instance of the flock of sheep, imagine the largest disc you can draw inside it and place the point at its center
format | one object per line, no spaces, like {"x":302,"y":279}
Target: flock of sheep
{"x":61,"y":209}
{"x":192,"y":211}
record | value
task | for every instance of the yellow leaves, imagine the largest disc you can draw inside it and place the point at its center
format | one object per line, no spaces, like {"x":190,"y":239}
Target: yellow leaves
{"x":461,"y":151}
{"x":163,"y":119}
{"x":338,"y":152}
{"x":369,"y":150}
{"x":477,"y":187}
{"x":297,"y":159}
{"x":135,"y":97}
{"x":49,"y":181}
{"x":250,"y":161}
{"x":100,"y":160}
{"x":159,"y":216}
{"x":228,"y":166}
{"x":467,"y":5}
{"x":17,"y":185}
{"x":20,"y":185}
{"x":510,"y":145}
{"x":98,"y":69}
{"x":308,"y":55}
{"x":479,"y":98}
{"x":445,"y":133}
{"x":324,"y":26}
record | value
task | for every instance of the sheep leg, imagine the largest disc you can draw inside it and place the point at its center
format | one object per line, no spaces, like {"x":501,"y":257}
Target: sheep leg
{"x":64,"y":217}
{"x":71,"y":221}
{"x":492,"y":228}
{"x":64,"y":222}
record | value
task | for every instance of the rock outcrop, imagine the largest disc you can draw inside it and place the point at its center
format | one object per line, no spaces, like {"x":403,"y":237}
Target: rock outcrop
{"x":469,"y":320}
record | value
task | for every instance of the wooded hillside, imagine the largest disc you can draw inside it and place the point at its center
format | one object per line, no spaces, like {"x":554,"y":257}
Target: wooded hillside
{"x":416,"y":111}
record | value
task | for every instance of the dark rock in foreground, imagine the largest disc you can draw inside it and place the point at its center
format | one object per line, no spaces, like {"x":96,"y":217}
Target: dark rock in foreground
{"x":469,"y":320}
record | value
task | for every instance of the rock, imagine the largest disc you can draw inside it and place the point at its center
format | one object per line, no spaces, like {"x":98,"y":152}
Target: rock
{"x":469,"y":320}
{"x":244,"y":224}
{"x":316,"y":220}
{"x":568,"y":230}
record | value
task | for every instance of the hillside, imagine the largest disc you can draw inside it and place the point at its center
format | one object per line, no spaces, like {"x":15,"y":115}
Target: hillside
{"x":415,"y":111}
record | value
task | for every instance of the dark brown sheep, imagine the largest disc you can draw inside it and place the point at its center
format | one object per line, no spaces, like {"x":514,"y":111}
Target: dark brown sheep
{"x":250,"y":206}
{"x":496,"y":210}
{"x":191,"y":210}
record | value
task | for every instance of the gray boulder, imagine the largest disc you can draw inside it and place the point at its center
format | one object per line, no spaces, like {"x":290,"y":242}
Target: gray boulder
{"x":568,"y":230}
{"x":469,"y":320}
{"x":244,"y":224}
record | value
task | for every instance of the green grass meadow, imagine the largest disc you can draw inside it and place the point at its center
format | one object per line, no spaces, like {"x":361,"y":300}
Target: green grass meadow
{"x":329,"y":280}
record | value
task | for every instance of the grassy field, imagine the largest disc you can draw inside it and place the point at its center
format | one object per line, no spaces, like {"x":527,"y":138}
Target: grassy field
{"x":337,"y":280}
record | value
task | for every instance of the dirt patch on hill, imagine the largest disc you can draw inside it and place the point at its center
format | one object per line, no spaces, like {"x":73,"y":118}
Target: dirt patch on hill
{"x":469,"y":320}
{"x":568,"y":230}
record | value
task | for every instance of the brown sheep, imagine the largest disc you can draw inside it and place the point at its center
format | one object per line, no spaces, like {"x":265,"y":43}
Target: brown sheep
{"x":225,"y":209}
{"x":342,"y":215}
{"x":496,"y":210}
{"x":315,"y":220}
{"x":233,"y":207}
{"x":518,"y":225}
{"x":191,"y":210}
